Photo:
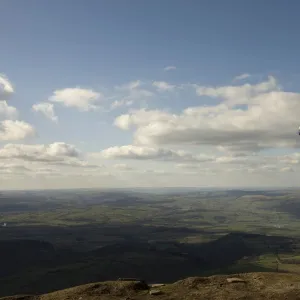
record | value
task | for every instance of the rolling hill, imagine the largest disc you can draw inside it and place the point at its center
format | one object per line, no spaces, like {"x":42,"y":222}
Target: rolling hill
{"x":252,"y":286}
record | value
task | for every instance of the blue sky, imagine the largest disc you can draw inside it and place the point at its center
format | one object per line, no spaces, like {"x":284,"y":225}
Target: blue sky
{"x":47,"y":46}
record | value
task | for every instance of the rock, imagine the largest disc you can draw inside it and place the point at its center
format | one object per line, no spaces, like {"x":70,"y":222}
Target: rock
{"x":156,"y":285}
{"x":155,"y":292}
{"x":130,"y":279}
{"x":235,"y":279}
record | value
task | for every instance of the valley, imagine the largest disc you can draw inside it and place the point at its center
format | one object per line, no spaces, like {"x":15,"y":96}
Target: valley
{"x":52,"y":240}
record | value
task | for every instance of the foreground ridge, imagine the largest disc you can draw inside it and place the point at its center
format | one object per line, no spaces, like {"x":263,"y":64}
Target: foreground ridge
{"x":238,"y":286}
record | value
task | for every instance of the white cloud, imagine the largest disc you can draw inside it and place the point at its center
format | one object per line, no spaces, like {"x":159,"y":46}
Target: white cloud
{"x":242,"y":94}
{"x":15,"y":130}
{"x":122,"y":167}
{"x":140,"y":117}
{"x":11,"y":130}
{"x":287,"y":169}
{"x":223,"y":144}
{"x":199,"y":162}
{"x":65,"y":167}
{"x":163,"y":86}
{"x":187,"y":166}
{"x":170,"y":68}
{"x":149,"y":153}
{"x":242,"y":77}
{"x":41,"y":157}
{"x":119,"y":103}
{"x":82,"y":99}
{"x":290,"y":159}
{"x":47,"y":109}
{"x":55,"y":152}
{"x":232,"y":159}
{"x":13,"y":169}
{"x":6,"y":87}
{"x":155,"y":172}
{"x":57,"y":160}
{"x":233,"y":165}
{"x":8,"y":112}
{"x":123,"y":122}
{"x":270,"y":119}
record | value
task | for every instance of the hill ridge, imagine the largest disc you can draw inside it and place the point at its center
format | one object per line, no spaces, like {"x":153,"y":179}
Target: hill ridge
{"x":265,"y":285}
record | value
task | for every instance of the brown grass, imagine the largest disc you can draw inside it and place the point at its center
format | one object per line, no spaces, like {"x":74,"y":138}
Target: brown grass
{"x":256,"y":286}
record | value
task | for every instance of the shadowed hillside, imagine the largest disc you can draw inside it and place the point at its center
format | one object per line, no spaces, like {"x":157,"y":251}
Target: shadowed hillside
{"x":17,"y":255}
{"x":48,"y":269}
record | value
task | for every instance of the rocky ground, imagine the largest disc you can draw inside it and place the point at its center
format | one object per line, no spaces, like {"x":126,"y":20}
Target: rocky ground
{"x":239,"y":286}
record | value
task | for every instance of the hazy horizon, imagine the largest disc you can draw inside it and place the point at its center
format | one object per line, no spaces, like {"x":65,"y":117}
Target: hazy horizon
{"x":159,"y":189}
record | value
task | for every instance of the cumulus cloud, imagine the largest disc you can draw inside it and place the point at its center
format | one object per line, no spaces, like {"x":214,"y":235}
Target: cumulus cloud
{"x":56,"y":152}
{"x":41,"y":158}
{"x":269,"y":119}
{"x":228,"y":136}
{"x":6,"y":90}
{"x":124,"y":95}
{"x":11,"y":129}
{"x":140,"y":117}
{"x":163,"y":86}
{"x":242,"y":94}
{"x":170,"y":68}
{"x":6,"y":111}
{"x":15,"y":130}
{"x":13,"y":168}
{"x":47,"y":109}
{"x":201,"y":162}
{"x":149,"y":153}
{"x":248,"y":165}
{"x":81,"y":99}
{"x":6,"y":87}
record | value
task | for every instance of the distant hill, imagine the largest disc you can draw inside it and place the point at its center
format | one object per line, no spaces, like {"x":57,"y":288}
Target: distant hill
{"x":256,"y":286}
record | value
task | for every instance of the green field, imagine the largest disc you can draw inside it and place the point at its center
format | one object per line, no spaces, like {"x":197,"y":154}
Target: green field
{"x":89,"y":236}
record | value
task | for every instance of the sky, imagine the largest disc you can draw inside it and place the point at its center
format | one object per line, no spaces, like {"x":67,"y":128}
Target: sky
{"x":110,"y":94}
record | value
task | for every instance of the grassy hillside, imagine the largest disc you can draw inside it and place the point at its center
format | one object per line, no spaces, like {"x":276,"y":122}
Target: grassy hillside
{"x":256,"y":286}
